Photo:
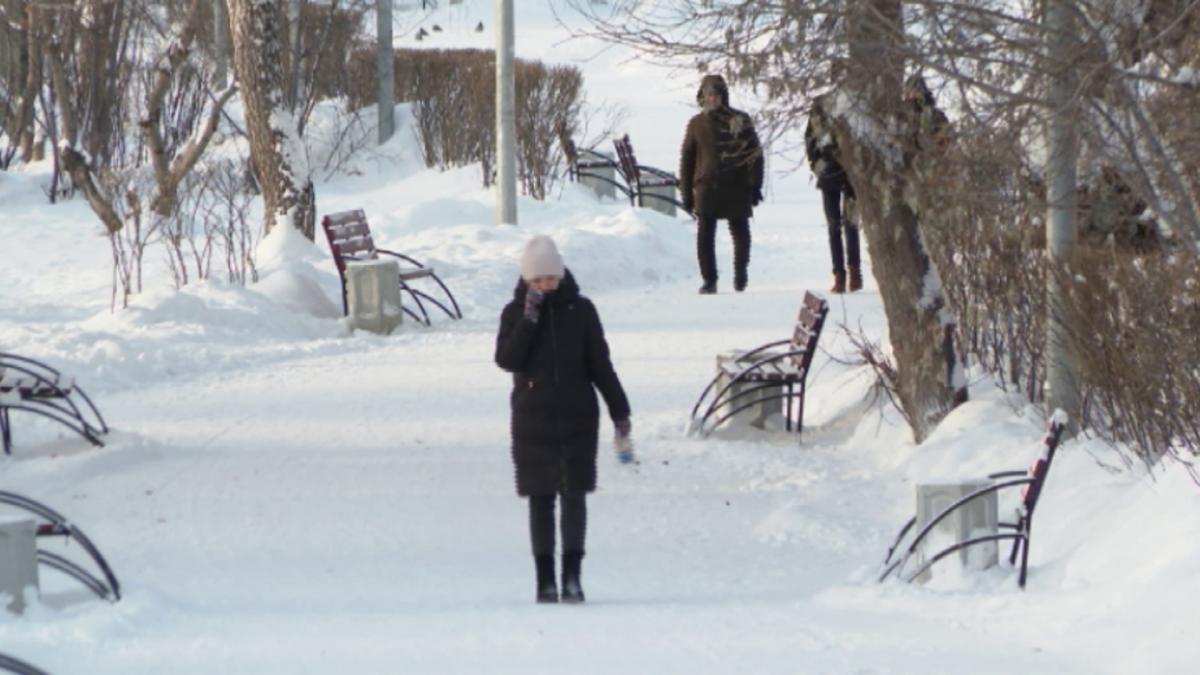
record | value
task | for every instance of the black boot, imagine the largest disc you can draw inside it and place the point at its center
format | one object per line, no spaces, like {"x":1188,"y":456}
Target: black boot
{"x":547,"y":591}
{"x":572,"y":591}
{"x":709,"y":288}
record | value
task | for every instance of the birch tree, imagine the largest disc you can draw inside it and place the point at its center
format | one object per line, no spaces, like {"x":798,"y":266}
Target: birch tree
{"x":277,"y":152}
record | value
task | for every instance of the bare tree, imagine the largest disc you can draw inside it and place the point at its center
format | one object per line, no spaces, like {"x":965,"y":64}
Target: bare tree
{"x":119,"y":196}
{"x":988,"y":64}
{"x":766,"y":44}
{"x":21,"y":26}
{"x":277,"y":152}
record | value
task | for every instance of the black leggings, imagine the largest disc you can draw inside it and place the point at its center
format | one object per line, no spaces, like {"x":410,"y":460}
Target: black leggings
{"x":541,"y":522}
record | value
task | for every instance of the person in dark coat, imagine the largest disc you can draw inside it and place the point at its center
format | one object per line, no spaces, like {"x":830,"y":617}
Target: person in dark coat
{"x":720,"y":178}
{"x":552,"y":341}
{"x":836,"y":191}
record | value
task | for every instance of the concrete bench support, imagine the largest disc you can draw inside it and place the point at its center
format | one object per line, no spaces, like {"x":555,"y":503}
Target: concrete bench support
{"x":758,"y":415}
{"x":666,"y":205}
{"x":18,"y":561}
{"x":599,"y":177}
{"x":373,"y":295}
{"x":975,"y":518}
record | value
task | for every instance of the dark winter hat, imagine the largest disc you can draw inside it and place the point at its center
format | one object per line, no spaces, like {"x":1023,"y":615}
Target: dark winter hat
{"x":541,"y":259}
{"x":713,"y":84}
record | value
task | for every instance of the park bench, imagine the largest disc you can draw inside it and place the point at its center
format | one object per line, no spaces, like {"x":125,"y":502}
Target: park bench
{"x":766,"y":376}
{"x":27,"y":385}
{"x":593,"y":169}
{"x":648,"y":186}
{"x":1031,"y":482}
{"x":350,"y":240}
{"x":50,"y":523}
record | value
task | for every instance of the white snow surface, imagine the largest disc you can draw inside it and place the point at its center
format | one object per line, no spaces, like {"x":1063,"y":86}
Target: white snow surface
{"x":282,"y":495}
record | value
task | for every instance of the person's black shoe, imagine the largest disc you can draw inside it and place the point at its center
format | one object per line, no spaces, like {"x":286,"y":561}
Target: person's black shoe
{"x":572,"y":590}
{"x":739,"y":285}
{"x":709,"y":288}
{"x":547,"y":590}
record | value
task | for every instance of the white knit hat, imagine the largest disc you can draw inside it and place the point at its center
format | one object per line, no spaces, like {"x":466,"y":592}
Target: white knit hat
{"x":541,"y":259}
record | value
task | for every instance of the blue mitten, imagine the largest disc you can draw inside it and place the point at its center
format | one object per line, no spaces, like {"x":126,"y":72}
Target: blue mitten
{"x":622,"y":442}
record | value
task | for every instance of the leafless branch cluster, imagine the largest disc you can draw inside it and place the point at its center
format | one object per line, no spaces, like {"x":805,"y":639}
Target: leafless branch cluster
{"x":977,"y":190}
{"x":211,"y":221}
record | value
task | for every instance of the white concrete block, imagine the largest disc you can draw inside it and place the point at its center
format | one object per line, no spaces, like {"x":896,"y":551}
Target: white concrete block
{"x":18,"y":560}
{"x":373,"y":295}
{"x":766,"y":413}
{"x":977,"y":517}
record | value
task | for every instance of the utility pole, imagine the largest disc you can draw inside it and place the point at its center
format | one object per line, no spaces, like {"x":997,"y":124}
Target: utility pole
{"x":506,"y":127}
{"x":1062,"y":143}
{"x":385,"y":69}
{"x":295,"y":84}
{"x":222,"y":47}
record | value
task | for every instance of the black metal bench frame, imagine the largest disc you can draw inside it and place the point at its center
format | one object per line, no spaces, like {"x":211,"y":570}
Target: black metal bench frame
{"x":56,"y":525}
{"x":1033,"y":480}
{"x":14,"y":665}
{"x":28,"y":385}
{"x":350,"y":240}
{"x":639,"y":177}
{"x":580,"y":163}
{"x":766,"y":371}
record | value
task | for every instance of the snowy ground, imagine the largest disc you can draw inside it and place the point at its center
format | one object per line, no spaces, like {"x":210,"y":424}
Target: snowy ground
{"x":281,"y":496}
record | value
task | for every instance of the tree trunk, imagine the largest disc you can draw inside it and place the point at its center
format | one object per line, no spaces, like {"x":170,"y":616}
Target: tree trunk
{"x":865,"y":119}
{"x":21,"y":130}
{"x":278,"y":155}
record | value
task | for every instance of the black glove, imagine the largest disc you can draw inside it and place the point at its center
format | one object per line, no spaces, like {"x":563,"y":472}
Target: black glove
{"x":533,"y":303}
{"x":757,"y":198}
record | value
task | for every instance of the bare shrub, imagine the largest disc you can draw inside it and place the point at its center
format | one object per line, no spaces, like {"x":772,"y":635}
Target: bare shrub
{"x":226,"y":217}
{"x":140,"y":228}
{"x":1134,"y":301}
{"x":211,"y":222}
{"x":453,"y":94}
{"x":188,"y":243}
{"x":1136,"y":318}
{"x":548,"y":106}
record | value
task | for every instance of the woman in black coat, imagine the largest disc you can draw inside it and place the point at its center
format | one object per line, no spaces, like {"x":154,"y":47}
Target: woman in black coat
{"x":552,"y":341}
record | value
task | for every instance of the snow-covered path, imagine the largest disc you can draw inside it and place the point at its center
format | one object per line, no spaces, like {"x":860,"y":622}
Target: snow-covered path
{"x":352,"y":510}
{"x":281,"y":497}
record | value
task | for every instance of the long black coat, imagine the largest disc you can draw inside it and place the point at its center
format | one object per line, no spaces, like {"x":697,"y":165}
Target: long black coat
{"x":557,"y":364}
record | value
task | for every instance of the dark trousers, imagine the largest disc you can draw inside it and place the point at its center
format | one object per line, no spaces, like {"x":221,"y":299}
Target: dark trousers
{"x":541,"y":522}
{"x":837,"y":225}
{"x":706,"y":243}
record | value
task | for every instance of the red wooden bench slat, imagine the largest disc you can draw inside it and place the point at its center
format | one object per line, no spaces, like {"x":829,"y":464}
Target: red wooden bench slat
{"x":343,"y":217}
{"x":349,"y":230}
{"x":354,"y":247}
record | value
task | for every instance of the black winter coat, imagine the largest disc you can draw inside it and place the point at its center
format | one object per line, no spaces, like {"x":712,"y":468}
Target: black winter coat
{"x":557,"y":364}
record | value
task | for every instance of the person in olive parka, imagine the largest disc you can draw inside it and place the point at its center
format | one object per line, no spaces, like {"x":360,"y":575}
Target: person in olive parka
{"x":720,"y":178}
{"x":552,"y":341}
